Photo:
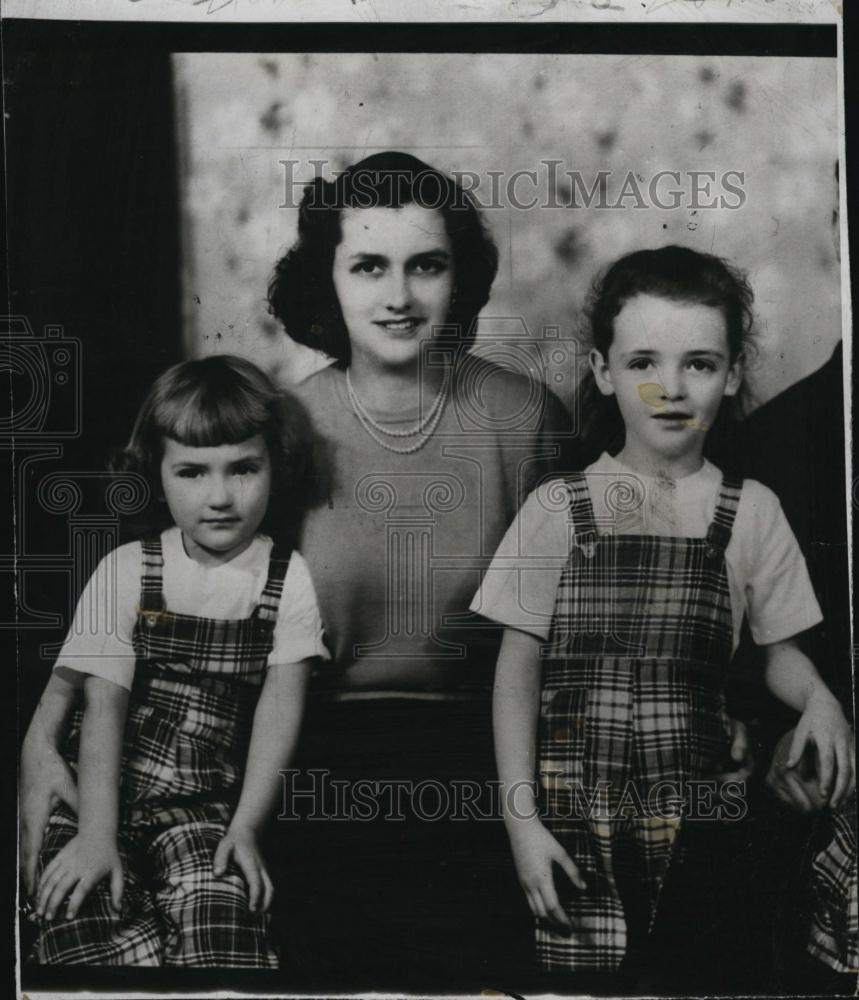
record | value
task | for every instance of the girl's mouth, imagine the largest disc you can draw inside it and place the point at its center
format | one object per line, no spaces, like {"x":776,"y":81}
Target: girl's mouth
{"x":406,"y":325}
{"x":675,"y":420}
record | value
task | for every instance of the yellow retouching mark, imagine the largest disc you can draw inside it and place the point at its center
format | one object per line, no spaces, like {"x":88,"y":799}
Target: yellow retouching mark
{"x":652,"y":394}
{"x":697,"y":425}
{"x":151,"y":617}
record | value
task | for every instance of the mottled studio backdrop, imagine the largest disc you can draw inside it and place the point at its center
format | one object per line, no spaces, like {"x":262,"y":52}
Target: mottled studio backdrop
{"x":772,"y":120}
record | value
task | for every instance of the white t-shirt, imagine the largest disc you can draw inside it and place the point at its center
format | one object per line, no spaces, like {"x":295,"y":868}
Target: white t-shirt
{"x":100,"y":638}
{"x":767,"y":576}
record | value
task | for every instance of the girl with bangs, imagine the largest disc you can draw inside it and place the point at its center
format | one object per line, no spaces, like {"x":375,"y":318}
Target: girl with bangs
{"x":193,"y":690}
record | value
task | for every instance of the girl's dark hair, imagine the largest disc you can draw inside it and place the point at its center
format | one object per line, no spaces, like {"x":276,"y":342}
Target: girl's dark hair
{"x":221,"y":399}
{"x":301,"y":292}
{"x":685,"y":275}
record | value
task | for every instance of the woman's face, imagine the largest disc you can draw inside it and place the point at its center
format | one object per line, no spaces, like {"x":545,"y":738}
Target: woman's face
{"x":393,"y":274}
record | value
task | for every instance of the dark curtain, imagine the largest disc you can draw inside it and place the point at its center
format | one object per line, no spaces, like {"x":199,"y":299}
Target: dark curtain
{"x":93,"y":248}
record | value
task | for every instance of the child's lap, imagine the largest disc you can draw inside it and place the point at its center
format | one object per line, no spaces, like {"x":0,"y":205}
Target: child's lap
{"x":683,"y":949}
{"x":98,"y":934}
{"x":167,"y":860}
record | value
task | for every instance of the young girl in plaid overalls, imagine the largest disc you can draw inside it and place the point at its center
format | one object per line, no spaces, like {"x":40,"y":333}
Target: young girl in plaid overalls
{"x":622,"y":590}
{"x":193,"y":683}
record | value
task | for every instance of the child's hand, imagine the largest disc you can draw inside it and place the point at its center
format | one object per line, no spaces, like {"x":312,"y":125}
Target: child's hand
{"x":240,"y":844}
{"x":740,"y":756}
{"x":77,"y":869}
{"x":823,"y":724}
{"x":798,"y":787}
{"x":45,"y":779}
{"x":535,"y":850}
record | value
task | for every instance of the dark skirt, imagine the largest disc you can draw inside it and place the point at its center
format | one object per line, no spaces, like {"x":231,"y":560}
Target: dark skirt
{"x":394,"y":869}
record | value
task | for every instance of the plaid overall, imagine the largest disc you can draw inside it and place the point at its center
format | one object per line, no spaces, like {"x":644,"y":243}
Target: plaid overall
{"x":632,"y":707}
{"x":834,"y":936}
{"x":190,"y":714}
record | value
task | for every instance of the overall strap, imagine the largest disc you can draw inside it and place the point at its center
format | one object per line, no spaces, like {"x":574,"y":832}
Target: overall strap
{"x":151,"y":579}
{"x":269,"y":601}
{"x":719,"y":532}
{"x":581,"y":514}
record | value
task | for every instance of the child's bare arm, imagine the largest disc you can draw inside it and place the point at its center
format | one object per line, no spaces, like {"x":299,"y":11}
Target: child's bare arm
{"x":45,"y":777}
{"x":276,"y":726}
{"x":792,"y":678}
{"x":92,"y":854}
{"x":515,"y":709}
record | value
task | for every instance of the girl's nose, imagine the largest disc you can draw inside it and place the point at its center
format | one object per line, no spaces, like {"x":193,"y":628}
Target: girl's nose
{"x":398,"y":291}
{"x":220,"y":493}
{"x":673,"y":385}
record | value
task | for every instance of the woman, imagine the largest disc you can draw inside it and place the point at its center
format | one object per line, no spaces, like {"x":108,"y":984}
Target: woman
{"x":426,"y":452}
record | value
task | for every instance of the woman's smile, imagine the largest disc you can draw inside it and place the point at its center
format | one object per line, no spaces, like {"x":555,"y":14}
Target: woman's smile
{"x":406,"y":327}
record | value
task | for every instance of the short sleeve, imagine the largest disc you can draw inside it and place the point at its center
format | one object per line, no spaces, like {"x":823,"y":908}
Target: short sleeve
{"x":298,"y":632}
{"x":520,"y":586}
{"x":99,"y":641}
{"x":780,"y":600}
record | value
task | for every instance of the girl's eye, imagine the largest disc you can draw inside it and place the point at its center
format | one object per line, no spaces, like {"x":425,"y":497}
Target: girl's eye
{"x":189,"y":473}
{"x":639,"y":364}
{"x":367,"y":267}
{"x":245,"y":470}
{"x":429,"y":265}
{"x":702,"y":365}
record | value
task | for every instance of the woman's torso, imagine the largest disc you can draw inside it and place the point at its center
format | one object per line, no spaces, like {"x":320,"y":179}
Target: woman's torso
{"x":397,"y":543}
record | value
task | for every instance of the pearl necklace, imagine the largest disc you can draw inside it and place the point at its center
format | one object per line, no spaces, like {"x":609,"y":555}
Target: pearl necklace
{"x":425,"y":426}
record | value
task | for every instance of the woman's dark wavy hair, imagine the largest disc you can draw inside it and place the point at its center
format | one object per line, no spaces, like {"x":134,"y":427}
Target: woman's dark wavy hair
{"x":685,"y":275}
{"x":221,"y":399}
{"x":301,"y":292}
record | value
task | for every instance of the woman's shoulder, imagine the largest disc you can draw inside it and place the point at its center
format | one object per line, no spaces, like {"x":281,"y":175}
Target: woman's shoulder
{"x":318,"y":383}
{"x":506,"y":400}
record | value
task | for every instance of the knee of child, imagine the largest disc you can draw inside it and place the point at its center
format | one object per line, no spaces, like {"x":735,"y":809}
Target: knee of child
{"x":207,"y":896}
